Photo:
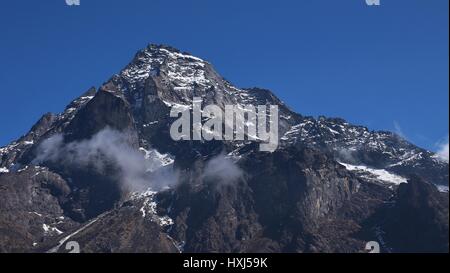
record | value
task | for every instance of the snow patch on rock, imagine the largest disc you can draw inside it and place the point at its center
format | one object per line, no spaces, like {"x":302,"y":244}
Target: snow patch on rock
{"x":377,"y":174}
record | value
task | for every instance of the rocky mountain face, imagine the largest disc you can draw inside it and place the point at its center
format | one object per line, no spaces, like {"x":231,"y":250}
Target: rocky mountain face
{"x":106,"y":174}
{"x":418,"y":206}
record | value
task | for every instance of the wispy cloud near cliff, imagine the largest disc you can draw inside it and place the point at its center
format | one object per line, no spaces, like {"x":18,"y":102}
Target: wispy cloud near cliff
{"x":106,"y":147}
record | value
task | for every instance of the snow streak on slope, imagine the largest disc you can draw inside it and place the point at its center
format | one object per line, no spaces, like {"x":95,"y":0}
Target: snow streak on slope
{"x":65,"y":239}
{"x":378,"y":174}
{"x":442,"y":188}
{"x":149,"y":208}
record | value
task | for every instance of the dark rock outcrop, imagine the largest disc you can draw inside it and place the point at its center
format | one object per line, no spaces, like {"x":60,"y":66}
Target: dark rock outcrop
{"x":418,"y":222}
{"x":32,"y":209}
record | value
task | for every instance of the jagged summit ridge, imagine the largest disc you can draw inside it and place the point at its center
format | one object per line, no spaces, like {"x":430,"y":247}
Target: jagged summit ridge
{"x":176,"y":77}
{"x":184,"y":69}
{"x":161,"y":76}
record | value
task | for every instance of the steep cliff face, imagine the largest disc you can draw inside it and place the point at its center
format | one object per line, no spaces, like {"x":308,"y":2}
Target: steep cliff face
{"x":418,"y":219}
{"x":278,"y":201}
{"x":104,"y":110}
{"x":108,"y":165}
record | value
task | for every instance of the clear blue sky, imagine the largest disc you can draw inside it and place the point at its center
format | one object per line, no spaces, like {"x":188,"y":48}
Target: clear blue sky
{"x":376,"y":66}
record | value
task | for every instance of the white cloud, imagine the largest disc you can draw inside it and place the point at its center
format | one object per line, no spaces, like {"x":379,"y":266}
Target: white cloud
{"x":442,"y":153}
{"x":222,"y":169}
{"x":108,"y":146}
{"x":398,"y":130}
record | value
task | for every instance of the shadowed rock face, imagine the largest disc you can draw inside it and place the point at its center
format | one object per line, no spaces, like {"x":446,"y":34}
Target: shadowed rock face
{"x":124,"y":230}
{"x":31,"y":210}
{"x":418,"y":222}
{"x":296,"y":199}
{"x":291,"y":192}
{"x":104,"y":110}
